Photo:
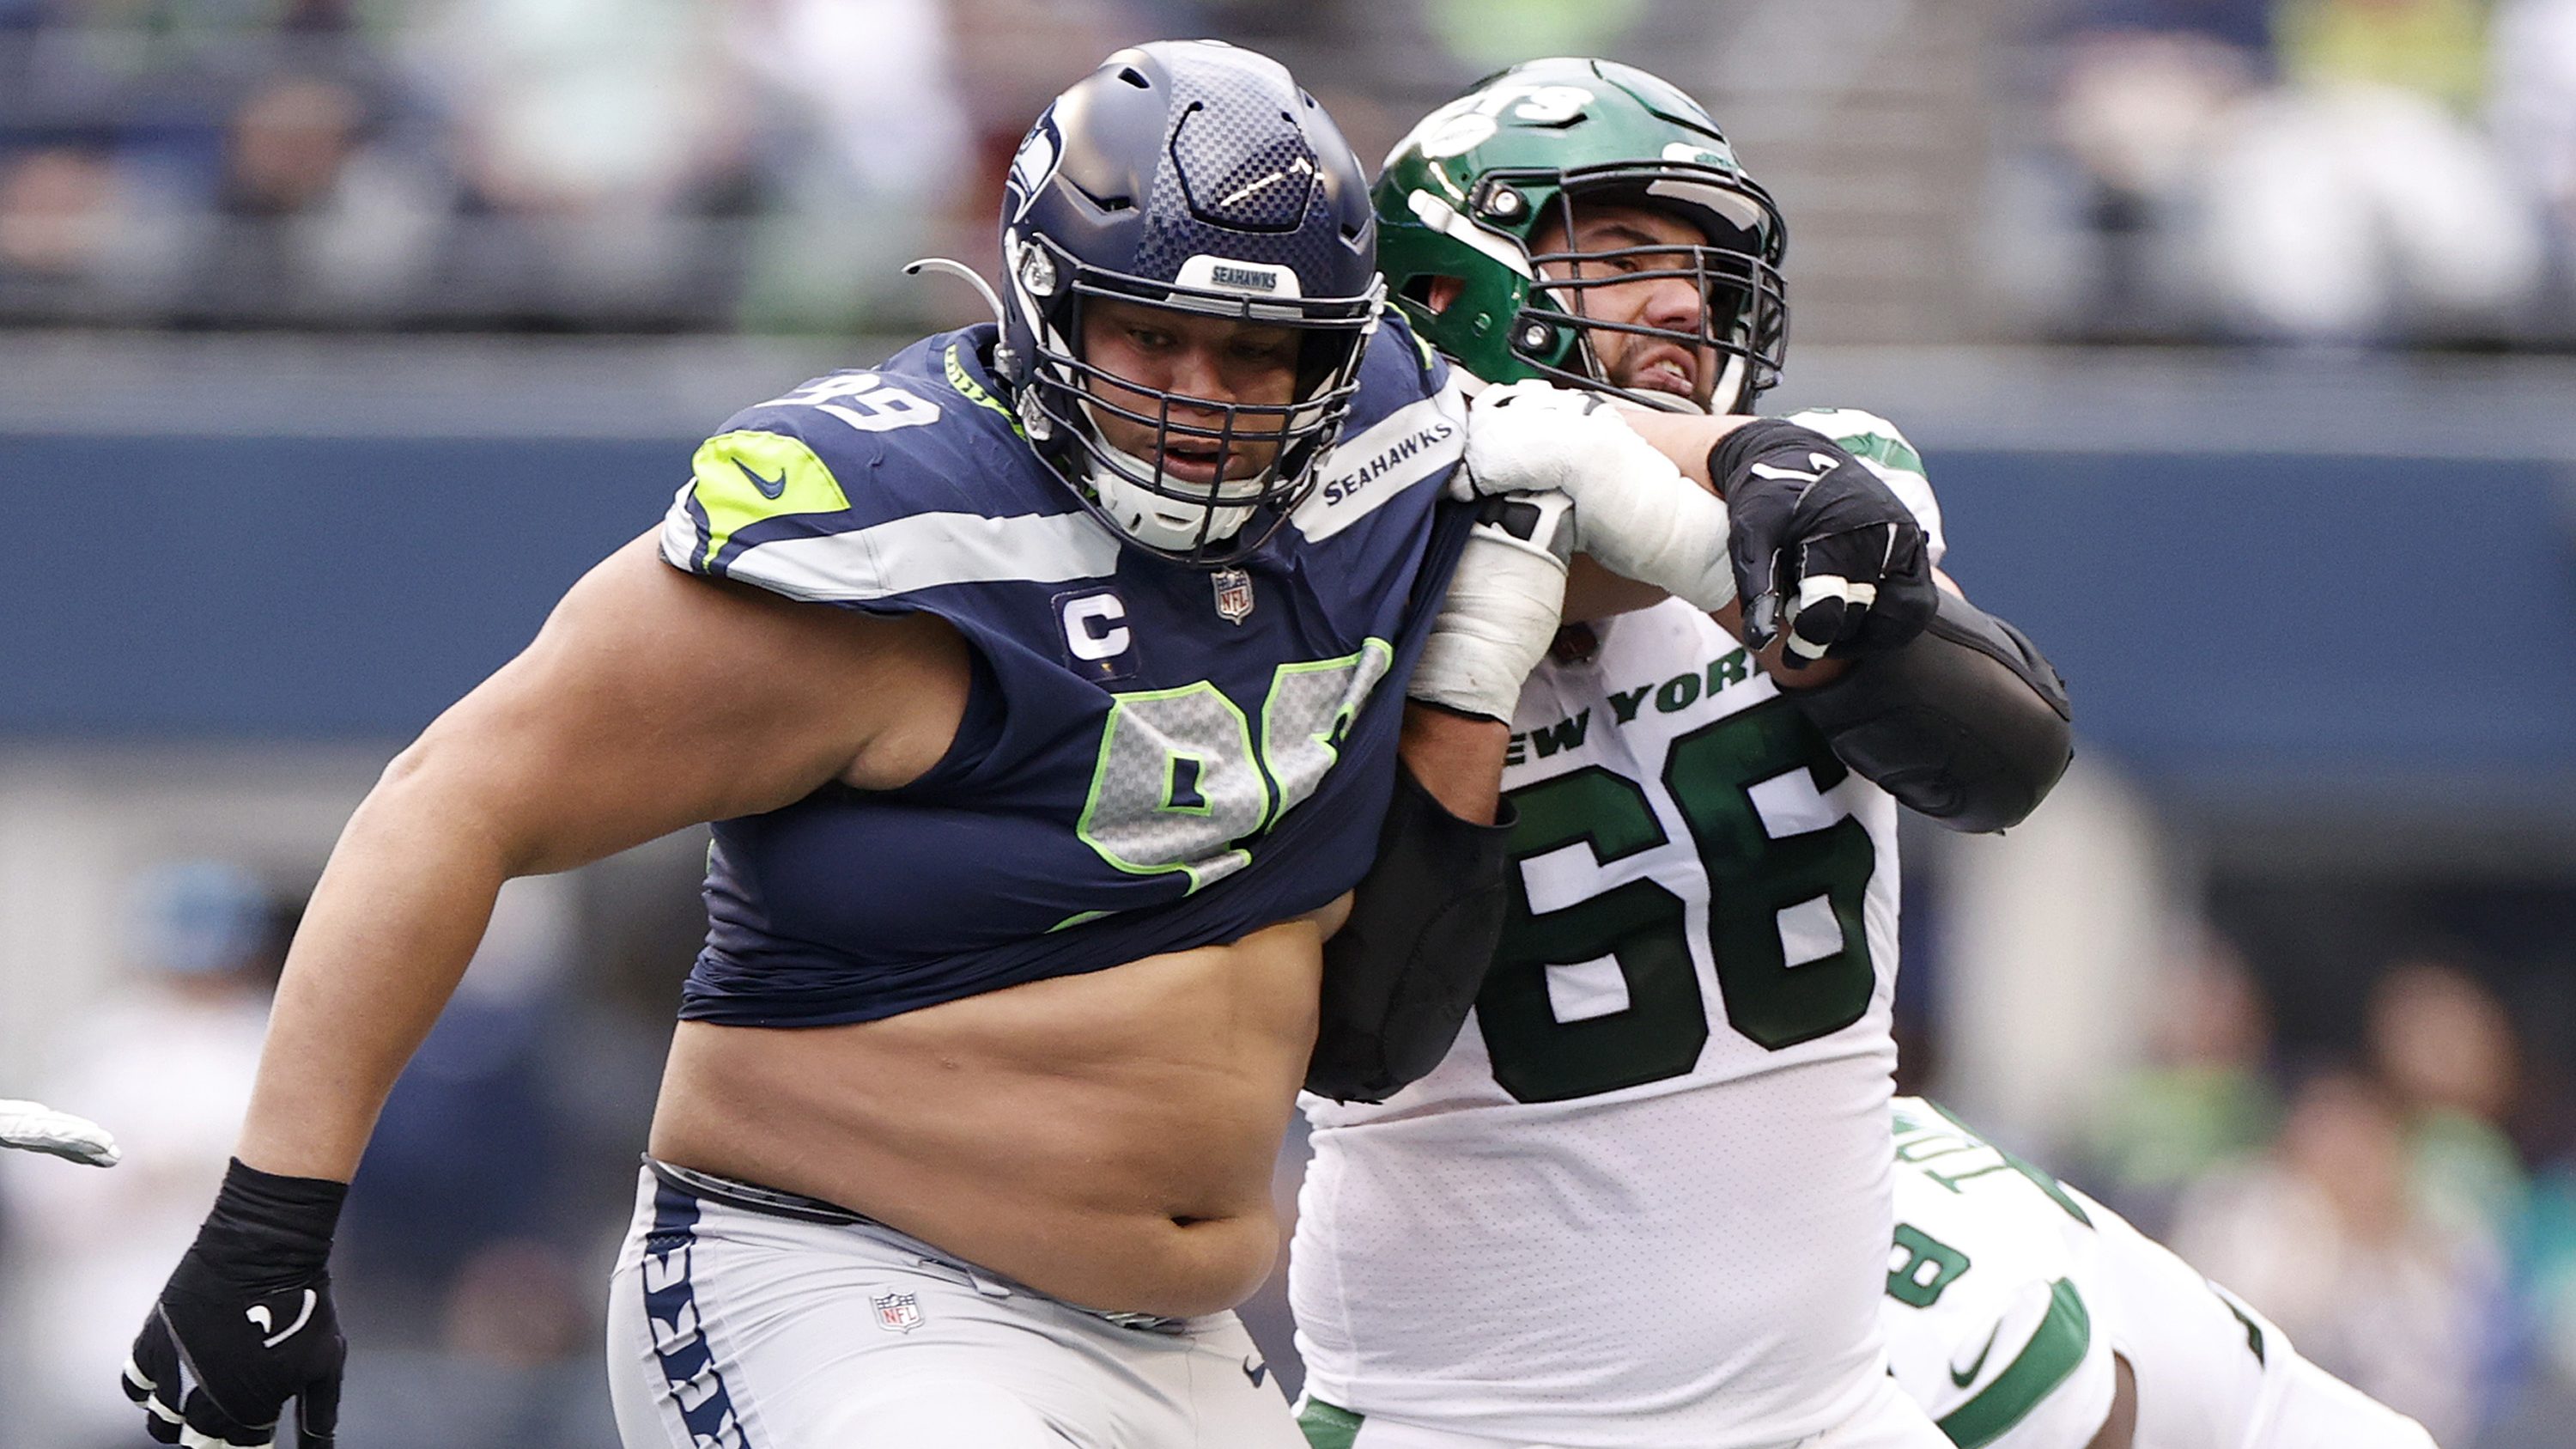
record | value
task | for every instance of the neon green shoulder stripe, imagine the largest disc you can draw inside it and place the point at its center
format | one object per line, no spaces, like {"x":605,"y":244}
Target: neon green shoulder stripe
{"x":973,"y":391}
{"x":745,"y":477}
{"x":2045,"y":1362}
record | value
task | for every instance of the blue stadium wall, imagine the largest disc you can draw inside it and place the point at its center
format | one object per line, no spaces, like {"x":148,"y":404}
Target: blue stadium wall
{"x":2336,"y":620}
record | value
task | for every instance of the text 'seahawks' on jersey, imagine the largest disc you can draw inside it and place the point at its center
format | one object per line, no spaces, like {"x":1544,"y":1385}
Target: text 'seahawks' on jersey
{"x":1139,"y":734}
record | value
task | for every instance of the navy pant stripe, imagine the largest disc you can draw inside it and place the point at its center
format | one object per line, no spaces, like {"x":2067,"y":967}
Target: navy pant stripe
{"x":679,"y":1340}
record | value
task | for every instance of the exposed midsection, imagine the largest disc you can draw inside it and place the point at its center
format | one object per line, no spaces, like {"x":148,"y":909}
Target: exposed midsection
{"x":1106,"y":1138}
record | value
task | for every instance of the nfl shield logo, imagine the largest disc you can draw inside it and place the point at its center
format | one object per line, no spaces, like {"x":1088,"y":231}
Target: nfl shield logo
{"x":896,"y":1312}
{"x":1233,"y":594}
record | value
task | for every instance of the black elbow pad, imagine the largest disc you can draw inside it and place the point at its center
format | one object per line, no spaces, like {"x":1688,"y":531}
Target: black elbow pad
{"x":1402,"y":971}
{"x":1966,"y":723}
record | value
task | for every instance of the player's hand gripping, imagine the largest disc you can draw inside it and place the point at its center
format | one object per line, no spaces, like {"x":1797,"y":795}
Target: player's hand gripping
{"x":1634,"y":512}
{"x":246,"y":1322}
{"x":35,"y":1127}
{"x":1821,"y":547}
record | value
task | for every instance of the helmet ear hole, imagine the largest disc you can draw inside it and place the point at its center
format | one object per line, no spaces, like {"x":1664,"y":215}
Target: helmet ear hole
{"x":1433,"y":291}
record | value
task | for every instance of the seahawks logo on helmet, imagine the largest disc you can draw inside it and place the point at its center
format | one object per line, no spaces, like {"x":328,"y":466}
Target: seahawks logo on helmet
{"x":1033,"y":163}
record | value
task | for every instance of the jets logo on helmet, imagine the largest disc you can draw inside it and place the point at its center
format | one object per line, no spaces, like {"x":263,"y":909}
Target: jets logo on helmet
{"x":1194,"y":177}
{"x":1465,"y":201}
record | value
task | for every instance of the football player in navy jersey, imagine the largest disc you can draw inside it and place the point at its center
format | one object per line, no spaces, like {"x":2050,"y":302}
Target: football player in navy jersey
{"x":1046,"y":687}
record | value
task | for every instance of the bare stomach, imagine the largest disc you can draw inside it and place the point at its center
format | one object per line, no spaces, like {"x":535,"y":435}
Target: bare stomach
{"x":1106,"y":1138}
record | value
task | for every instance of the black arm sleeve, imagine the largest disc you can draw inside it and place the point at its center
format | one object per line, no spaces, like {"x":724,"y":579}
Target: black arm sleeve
{"x":1402,"y":971}
{"x":1967,"y":723}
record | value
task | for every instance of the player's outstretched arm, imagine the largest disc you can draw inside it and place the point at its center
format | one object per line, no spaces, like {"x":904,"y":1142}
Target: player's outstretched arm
{"x":650,"y":701}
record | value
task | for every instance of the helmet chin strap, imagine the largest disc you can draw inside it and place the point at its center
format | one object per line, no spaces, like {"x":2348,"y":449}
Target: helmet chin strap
{"x":1149,"y":517}
{"x":1729,"y":396}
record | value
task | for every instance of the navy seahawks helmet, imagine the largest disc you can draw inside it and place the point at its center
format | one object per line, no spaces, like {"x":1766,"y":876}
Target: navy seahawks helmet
{"x":1195,"y":176}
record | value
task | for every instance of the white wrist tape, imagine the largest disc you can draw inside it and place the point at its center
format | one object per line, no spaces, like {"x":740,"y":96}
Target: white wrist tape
{"x":1500,"y":615}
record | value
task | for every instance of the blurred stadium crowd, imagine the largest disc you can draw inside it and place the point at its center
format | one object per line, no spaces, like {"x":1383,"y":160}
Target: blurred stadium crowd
{"x":2313,"y":170}
{"x":2317,"y":170}
{"x":2333,"y":172}
{"x":2404,"y":1207}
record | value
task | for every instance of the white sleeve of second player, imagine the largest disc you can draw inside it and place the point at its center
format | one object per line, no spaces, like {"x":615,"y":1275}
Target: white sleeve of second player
{"x":2026,"y":1369}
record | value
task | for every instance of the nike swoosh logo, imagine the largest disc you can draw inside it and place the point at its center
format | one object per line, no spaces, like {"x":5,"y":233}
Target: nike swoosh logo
{"x":769,"y":487}
{"x":261,"y":1319}
{"x":1254,"y":1369}
{"x":1964,"y":1377}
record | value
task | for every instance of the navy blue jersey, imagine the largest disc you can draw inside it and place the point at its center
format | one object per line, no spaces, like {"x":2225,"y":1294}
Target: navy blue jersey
{"x":1154,"y":757}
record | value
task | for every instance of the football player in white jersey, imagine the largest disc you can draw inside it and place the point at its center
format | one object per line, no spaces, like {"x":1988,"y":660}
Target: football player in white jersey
{"x":1644,"y":1201}
{"x":2025,"y":1315}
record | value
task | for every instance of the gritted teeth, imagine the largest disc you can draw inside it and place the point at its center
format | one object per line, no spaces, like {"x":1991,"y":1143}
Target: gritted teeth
{"x":1666,"y":373}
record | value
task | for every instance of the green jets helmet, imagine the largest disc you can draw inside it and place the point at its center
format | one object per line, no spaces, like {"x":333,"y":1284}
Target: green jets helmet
{"x":1474,"y":191}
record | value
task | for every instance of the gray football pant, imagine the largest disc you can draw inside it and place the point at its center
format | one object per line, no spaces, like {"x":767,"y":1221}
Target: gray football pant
{"x":730,"y":1328}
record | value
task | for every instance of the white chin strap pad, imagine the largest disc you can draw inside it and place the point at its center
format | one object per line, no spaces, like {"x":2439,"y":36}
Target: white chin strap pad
{"x":1153,"y":519}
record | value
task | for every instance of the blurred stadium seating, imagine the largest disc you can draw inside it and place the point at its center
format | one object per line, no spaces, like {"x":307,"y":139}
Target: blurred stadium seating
{"x":338,"y":336}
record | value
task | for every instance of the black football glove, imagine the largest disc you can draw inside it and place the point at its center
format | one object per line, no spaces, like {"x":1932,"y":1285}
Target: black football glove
{"x":246,"y":1322}
{"x":1820,"y":545}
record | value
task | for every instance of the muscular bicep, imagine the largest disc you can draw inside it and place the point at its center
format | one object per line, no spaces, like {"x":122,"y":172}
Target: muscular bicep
{"x":653,"y":700}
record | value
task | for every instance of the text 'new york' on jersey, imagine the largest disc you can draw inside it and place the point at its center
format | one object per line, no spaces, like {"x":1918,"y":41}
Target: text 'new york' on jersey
{"x":1154,"y":757}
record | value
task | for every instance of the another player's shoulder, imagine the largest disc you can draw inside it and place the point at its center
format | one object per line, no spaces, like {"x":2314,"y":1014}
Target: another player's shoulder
{"x":1884,"y":449}
{"x":1864,"y":435}
{"x":2014,"y":1361}
{"x":869,"y":482}
{"x":1911,"y":1119}
{"x":1989,"y":1326}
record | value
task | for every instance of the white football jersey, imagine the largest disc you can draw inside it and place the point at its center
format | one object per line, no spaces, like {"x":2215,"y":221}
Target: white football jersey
{"x":1644,"y":1200}
{"x":2009,"y":1292}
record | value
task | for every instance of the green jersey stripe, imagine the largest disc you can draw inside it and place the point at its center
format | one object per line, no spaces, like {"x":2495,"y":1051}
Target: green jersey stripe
{"x":1328,"y":1426}
{"x":2045,"y":1362}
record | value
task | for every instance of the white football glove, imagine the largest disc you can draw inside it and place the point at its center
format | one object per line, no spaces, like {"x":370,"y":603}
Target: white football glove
{"x":35,"y":1127}
{"x":1502,"y":608}
{"x":1634,"y":511}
